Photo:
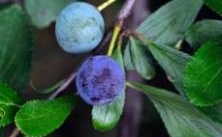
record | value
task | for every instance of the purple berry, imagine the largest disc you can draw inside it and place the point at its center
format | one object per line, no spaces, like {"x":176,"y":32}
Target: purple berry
{"x":100,"y":80}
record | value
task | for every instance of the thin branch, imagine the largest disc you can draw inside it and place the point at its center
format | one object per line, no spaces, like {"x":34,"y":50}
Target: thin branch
{"x":126,"y":9}
{"x":66,"y":83}
{"x":14,"y":133}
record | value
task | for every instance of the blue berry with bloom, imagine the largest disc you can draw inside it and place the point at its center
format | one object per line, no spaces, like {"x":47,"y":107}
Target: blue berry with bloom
{"x":100,"y":80}
{"x":79,"y":28}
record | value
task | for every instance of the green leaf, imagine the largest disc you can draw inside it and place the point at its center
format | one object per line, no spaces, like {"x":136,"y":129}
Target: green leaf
{"x":117,"y":55}
{"x":41,"y":117}
{"x":9,"y":104}
{"x":15,"y":47}
{"x":204,"y":31}
{"x":105,"y":117}
{"x":203,"y":75}
{"x":214,"y":112}
{"x":180,"y":118}
{"x":172,"y":61}
{"x":168,"y":24}
{"x":44,"y":12}
{"x":128,"y":61}
{"x":215,"y":5}
{"x":141,"y":59}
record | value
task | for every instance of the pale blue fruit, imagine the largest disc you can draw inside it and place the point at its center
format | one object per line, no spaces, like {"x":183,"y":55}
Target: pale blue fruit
{"x":79,"y":28}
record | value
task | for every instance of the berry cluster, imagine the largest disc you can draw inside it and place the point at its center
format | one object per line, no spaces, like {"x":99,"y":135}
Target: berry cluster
{"x":79,"y":29}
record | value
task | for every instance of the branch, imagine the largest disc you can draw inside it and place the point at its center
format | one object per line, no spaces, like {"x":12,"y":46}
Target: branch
{"x":66,"y":83}
{"x":126,"y":10}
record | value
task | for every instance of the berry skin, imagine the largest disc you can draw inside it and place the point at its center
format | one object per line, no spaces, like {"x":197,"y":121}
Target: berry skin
{"x":79,"y":28}
{"x":100,"y":80}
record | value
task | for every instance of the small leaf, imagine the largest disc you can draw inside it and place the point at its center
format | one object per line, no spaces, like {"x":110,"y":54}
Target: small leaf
{"x":215,"y":5}
{"x":47,"y":90}
{"x":180,"y":118}
{"x":128,"y":61}
{"x":203,"y":75}
{"x":117,"y":55}
{"x":105,"y":117}
{"x":41,"y":117}
{"x":44,"y":12}
{"x":15,"y":47}
{"x":168,"y":24}
{"x":141,"y":60}
{"x":9,"y":104}
{"x":204,"y":31}
{"x":172,"y":61}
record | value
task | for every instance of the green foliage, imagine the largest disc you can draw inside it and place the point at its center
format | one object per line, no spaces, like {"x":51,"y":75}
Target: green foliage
{"x":141,"y":59}
{"x":105,"y":117}
{"x":128,"y":61}
{"x":204,"y":31}
{"x":44,"y":12}
{"x":214,"y":112}
{"x":203,"y":75}
{"x":9,"y":104}
{"x":41,"y":117}
{"x":215,"y":5}
{"x":15,"y":47}
{"x":172,"y":61}
{"x":168,"y":24}
{"x":180,"y":118}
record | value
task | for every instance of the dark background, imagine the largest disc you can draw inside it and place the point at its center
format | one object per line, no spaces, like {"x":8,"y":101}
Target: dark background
{"x":51,"y":64}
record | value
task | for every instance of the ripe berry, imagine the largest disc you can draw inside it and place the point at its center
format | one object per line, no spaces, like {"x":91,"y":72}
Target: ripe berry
{"x":79,"y":28}
{"x":99,"y":80}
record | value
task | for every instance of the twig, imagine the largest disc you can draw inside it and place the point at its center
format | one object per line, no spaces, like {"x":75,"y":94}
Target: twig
{"x":105,"y":40}
{"x":14,"y":133}
{"x":126,"y":9}
{"x":64,"y":85}
{"x":123,"y":14}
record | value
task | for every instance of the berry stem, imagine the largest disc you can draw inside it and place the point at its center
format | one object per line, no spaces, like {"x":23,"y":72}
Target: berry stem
{"x":116,"y":32}
{"x":105,"y":4}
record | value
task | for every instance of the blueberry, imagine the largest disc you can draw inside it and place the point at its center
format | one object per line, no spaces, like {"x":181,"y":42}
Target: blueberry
{"x":79,"y":28}
{"x":100,"y":80}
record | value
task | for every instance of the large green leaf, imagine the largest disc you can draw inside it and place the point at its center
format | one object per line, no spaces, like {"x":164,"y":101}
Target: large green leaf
{"x":9,"y":104}
{"x":15,"y":47}
{"x":141,"y":59}
{"x":172,"y":61}
{"x":44,"y":12}
{"x":168,"y":24}
{"x":105,"y":117}
{"x":39,"y":117}
{"x":203,"y":75}
{"x":180,"y":118}
{"x":203,"y":31}
{"x":216,"y":5}
{"x":214,"y":112}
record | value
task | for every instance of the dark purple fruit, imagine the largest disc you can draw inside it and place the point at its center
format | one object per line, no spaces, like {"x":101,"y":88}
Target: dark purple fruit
{"x":100,"y":80}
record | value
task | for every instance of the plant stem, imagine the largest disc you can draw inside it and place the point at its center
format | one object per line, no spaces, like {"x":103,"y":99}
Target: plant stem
{"x":115,"y":35}
{"x":126,"y":9}
{"x":123,"y":14}
{"x":14,"y":133}
{"x":63,"y":86}
{"x":105,"y":5}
